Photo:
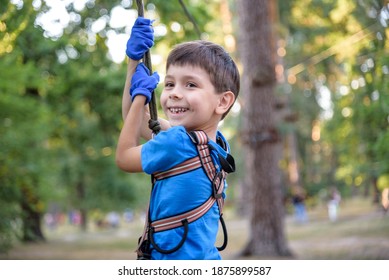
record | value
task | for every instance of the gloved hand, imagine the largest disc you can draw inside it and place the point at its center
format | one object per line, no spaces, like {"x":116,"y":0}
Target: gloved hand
{"x":142,"y":83}
{"x":141,"y":38}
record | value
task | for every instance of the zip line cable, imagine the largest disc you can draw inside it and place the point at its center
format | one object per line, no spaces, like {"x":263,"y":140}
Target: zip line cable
{"x":356,"y":37}
{"x":191,"y":18}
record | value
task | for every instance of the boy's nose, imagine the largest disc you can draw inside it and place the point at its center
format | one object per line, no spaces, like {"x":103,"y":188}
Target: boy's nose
{"x":175,"y":94}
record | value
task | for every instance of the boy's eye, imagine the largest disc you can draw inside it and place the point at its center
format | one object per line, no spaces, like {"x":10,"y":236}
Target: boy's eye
{"x":169,"y":84}
{"x":190,"y":84}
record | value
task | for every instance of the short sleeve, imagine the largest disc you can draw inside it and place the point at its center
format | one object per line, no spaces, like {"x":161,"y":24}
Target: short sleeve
{"x":166,"y":150}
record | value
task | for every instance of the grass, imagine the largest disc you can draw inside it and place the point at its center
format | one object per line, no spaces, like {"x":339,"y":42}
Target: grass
{"x":361,"y":232}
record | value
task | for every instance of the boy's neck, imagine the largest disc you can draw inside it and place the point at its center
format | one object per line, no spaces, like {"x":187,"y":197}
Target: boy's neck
{"x":211,"y":133}
{"x":212,"y":136}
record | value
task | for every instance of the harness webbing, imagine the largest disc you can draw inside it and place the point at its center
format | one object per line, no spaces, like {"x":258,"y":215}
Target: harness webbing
{"x":186,"y":166}
{"x":217,"y":179}
{"x":176,"y":221}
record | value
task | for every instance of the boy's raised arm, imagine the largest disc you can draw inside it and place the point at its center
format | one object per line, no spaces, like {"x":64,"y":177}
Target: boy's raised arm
{"x":140,"y":41}
{"x":126,"y":100}
{"x":128,"y":152}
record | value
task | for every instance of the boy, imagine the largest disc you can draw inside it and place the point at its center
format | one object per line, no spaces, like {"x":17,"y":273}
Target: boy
{"x":201,"y":85}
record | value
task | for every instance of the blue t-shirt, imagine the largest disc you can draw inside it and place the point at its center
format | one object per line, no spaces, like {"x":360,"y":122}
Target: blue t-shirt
{"x":181,"y":193}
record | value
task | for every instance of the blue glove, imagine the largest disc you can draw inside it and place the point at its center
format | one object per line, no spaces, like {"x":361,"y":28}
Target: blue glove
{"x":142,"y":83}
{"x":141,"y":38}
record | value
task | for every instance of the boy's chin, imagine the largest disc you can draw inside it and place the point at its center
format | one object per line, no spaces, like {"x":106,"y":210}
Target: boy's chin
{"x":175,"y":123}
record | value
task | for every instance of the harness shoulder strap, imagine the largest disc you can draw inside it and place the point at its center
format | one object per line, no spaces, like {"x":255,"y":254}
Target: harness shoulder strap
{"x":200,"y":138}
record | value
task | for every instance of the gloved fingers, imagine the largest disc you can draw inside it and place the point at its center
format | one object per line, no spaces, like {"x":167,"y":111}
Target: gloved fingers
{"x":156,"y":77}
{"x":143,"y":21}
{"x":141,"y":38}
{"x":143,"y":29}
{"x":142,"y":68}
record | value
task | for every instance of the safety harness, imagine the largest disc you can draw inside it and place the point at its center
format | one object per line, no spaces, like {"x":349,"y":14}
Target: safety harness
{"x":217,"y":179}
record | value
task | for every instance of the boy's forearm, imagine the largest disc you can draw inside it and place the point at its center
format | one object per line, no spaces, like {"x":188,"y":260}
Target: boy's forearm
{"x":128,"y":149}
{"x":126,"y":99}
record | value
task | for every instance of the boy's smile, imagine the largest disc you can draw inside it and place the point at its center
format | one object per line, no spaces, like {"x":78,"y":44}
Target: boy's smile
{"x":176,"y":110}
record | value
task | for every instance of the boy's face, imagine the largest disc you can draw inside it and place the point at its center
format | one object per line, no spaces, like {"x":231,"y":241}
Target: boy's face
{"x":189,"y":98}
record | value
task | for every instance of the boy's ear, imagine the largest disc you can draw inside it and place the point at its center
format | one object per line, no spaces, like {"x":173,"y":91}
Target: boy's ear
{"x":226,"y":100}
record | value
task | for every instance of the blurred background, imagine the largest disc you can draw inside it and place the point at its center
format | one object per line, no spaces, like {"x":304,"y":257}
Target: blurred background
{"x":309,"y":131}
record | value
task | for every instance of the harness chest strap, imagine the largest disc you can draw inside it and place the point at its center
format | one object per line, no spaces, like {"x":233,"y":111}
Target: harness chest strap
{"x":177,"y":221}
{"x":186,"y":166}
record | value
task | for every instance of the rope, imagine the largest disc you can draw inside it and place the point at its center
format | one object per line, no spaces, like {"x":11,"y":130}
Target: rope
{"x":191,"y":18}
{"x":154,"y":124}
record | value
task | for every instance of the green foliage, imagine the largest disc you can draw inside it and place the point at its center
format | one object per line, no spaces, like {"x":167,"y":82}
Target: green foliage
{"x":341,"y":47}
{"x":25,"y":159}
{"x":59,"y":120}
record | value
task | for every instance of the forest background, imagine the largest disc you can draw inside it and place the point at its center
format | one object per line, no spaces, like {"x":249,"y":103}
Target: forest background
{"x":62,"y":71}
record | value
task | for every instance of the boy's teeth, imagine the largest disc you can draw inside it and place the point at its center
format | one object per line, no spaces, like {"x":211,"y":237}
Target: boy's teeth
{"x":177,"y":110}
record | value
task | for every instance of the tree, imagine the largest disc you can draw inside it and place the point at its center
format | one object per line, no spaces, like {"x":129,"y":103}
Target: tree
{"x":338,"y":53}
{"x":25,"y":160}
{"x":59,"y":105}
{"x":260,"y":134}
{"x":84,"y":94}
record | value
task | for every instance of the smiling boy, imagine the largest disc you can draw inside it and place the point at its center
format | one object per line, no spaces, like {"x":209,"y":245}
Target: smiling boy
{"x":200,"y":87}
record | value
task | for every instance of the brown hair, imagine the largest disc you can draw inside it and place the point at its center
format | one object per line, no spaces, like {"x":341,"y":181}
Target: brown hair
{"x":212,"y":58}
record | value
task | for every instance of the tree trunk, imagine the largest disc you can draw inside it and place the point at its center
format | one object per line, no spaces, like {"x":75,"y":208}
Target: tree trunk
{"x":31,"y":217}
{"x":260,"y":136}
{"x":376,"y":191}
{"x":81,"y":198}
